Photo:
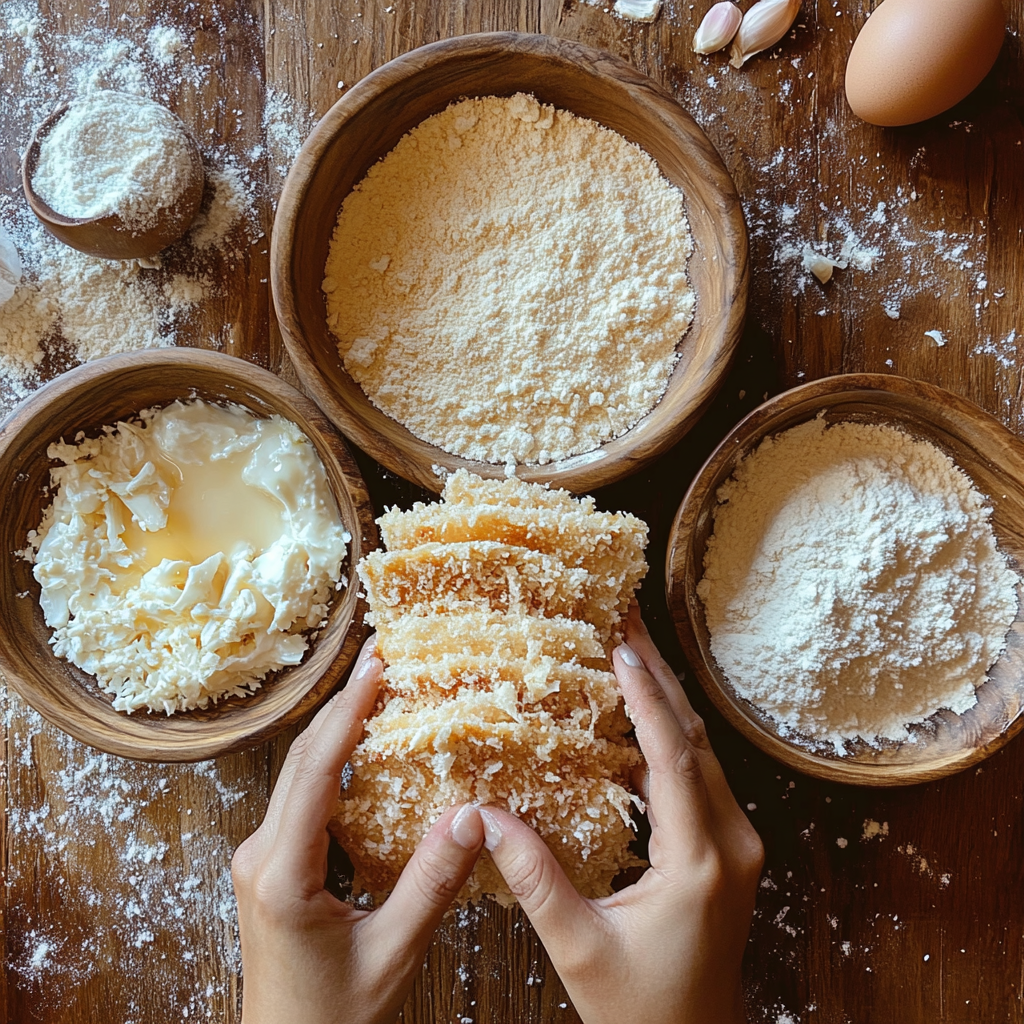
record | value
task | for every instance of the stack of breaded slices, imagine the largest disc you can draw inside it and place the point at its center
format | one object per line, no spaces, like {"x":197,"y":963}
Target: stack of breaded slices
{"x":496,"y":612}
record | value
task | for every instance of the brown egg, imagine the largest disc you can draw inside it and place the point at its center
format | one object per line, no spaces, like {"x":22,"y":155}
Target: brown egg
{"x":915,"y":58}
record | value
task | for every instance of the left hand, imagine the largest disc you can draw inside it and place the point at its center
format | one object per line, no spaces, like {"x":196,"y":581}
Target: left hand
{"x":306,"y":955}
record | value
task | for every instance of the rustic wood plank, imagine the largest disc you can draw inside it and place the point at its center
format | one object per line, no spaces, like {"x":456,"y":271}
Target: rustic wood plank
{"x":947,"y":876}
{"x":117,"y":904}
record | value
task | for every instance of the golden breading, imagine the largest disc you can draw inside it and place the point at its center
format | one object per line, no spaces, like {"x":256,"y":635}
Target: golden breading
{"x":541,"y":681}
{"x":496,"y":612}
{"x":441,"y":637}
{"x":465,"y":488}
{"x":437,"y":578}
{"x":579,"y":806}
{"x":445,"y":578}
{"x":609,"y":546}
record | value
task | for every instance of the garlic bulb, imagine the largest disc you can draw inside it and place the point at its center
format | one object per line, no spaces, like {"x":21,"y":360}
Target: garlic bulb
{"x":763,"y":25}
{"x":717,"y":28}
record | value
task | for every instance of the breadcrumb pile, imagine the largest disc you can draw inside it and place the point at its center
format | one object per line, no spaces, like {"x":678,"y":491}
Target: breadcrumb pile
{"x":496,"y":613}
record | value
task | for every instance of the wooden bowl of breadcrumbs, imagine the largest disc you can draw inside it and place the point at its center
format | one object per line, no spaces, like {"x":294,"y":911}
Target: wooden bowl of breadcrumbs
{"x":410,"y":362}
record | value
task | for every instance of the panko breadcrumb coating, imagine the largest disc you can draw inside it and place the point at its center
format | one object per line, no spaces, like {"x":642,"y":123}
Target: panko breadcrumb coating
{"x":496,"y":612}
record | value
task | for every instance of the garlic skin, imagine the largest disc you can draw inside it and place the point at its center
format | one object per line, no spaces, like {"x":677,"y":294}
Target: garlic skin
{"x":10,"y":267}
{"x":821,"y":266}
{"x":717,"y":28}
{"x":763,"y":25}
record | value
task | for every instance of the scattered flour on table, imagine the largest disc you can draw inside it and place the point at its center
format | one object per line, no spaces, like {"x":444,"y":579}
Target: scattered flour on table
{"x":852,"y":584}
{"x":68,"y":307}
{"x":90,"y":833}
{"x":875,"y":829}
{"x":164,"y":42}
{"x":912,"y":249}
{"x":286,"y":124}
{"x":510,"y":282}
{"x":131,"y":901}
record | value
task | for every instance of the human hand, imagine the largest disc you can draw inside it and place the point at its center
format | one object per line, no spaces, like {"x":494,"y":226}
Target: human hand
{"x":306,"y":955}
{"x":668,"y":949}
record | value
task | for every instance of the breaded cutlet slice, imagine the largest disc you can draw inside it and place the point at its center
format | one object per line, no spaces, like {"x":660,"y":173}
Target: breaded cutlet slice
{"x":435,"y":578}
{"x":577,"y":801}
{"x":494,"y":718}
{"x":493,"y":634}
{"x":486,"y":725}
{"x":608,"y":545}
{"x":465,"y":488}
{"x":541,"y":681}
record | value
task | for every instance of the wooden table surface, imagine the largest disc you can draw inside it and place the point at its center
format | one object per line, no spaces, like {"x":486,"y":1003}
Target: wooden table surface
{"x":117,"y":904}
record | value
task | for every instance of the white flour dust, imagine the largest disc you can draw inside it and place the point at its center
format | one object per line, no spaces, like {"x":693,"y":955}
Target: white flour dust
{"x":114,"y":153}
{"x":911,"y":251}
{"x":128,"y":895}
{"x":90,"y":835}
{"x":68,"y":307}
{"x":852,"y":584}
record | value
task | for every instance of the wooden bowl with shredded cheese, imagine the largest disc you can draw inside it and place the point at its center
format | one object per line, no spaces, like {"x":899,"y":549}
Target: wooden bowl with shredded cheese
{"x":991,"y":457}
{"x":370,"y":120}
{"x":99,"y":394}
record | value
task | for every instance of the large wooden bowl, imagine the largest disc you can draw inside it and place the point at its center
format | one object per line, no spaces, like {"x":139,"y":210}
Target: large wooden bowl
{"x":102,"y":392}
{"x":366,"y":123}
{"x":987,"y":452}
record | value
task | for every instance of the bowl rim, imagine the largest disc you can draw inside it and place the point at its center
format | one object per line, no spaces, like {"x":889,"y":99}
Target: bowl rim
{"x":343,"y":647}
{"x":582,"y":472}
{"x":678,"y":563}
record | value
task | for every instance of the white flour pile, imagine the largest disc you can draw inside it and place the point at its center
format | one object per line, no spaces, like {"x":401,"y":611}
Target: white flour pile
{"x":852,"y":584}
{"x":510,"y":282}
{"x":114,"y":153}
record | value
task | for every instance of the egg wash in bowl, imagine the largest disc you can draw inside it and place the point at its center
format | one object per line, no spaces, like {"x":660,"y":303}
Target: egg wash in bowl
{"x":186,"y":553}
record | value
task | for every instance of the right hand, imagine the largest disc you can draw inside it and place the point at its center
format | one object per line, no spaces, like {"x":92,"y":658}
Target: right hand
{"x":668,"y":949}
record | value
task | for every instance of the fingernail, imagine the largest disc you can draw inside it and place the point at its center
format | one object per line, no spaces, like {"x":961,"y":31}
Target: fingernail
{"x":363,"y":668}
{"x":465,"y":827}
{"x":628,"y":656}
{"x":492,"y":830}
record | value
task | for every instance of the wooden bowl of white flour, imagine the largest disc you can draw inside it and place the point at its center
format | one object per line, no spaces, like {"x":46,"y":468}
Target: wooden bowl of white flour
{"x":844,"y":576}
{"x":551,"y":366}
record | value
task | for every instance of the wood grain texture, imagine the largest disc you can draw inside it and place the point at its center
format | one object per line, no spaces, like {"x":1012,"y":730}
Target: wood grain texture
{"x":367,"y":123}
{"x":841,"y":932}
{"x":103,"y":393}
{"x":994,"y":460}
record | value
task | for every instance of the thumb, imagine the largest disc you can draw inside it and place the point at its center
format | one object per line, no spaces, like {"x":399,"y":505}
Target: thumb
{"x":431,"y":880}
{"x":556,"y":910}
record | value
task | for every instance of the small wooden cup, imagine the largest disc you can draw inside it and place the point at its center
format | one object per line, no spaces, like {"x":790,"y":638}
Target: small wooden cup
{"x":987,"y":452}
{"x":100,"y":393}
{"x":108,"y":236}
{"x":367,"y":123}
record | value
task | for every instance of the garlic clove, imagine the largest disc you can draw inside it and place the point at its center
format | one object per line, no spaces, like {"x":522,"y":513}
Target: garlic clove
{"x":763,"y":25}
{"x":717,"y":28}
{"x":821,"y":266}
